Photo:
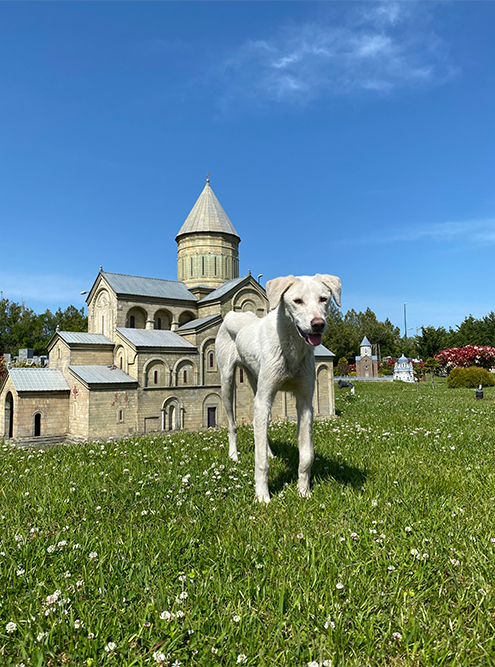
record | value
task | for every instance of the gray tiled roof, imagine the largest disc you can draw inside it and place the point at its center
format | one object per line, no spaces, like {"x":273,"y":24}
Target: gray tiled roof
{"x":154,"y":338}
{"x":38,"y":379}
{"x":197,"y":323}
{"x":152,"y":287}
{"x":81,"y":337}
{"x":207,"y":215}
{"x":322,"y":351}
{"x":365,"y":341}
{"x":223,"y":289}
{"x":102,"y":375}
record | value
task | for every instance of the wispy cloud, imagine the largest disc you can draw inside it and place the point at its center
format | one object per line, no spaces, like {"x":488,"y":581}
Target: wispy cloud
{"x":472,"y":232}
{"x":380,"y":47}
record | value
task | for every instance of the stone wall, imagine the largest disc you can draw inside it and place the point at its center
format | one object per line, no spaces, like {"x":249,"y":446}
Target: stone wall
{"x":113,"y":412}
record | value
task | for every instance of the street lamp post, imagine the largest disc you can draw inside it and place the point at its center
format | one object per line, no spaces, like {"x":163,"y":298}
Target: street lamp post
{"x":405,"y":321}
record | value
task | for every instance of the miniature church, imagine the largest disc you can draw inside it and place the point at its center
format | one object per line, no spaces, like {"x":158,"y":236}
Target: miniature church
{"x":147,"y":362}
{"x":403,"y":370}
{"x":366,"y":363}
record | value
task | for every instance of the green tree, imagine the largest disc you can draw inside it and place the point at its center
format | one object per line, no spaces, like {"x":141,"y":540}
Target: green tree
{"x":20,"y":327}
{"x":431,"y":364}
{"x":431,"y":341}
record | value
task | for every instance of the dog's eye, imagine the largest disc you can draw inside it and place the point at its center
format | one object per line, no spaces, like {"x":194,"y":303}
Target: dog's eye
{"x":323,"y":299}
{"x":299,"y":302}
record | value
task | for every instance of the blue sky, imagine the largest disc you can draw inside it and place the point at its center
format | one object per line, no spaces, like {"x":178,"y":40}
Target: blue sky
{"x":351,"y":138}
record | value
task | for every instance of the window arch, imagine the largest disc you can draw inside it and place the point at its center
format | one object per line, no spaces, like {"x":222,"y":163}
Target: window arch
{"x":163,"y":320}
{"x":185,"y":373}
{"x":136,"y":318}
{"x":185,"y":317}
{"x":155,"y":374}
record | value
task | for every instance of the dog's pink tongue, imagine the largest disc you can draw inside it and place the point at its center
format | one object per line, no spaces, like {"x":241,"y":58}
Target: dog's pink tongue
{"x":314,"y":339}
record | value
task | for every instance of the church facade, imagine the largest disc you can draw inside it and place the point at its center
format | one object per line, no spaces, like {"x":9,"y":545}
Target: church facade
{"x":147,"y":362}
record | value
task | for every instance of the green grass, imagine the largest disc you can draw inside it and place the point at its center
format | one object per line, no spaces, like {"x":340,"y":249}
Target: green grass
{"x":391,"y":562}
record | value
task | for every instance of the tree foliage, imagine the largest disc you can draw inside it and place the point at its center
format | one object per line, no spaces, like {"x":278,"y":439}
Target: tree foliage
{"x":345,"y":332}
{"x":21,"y":327}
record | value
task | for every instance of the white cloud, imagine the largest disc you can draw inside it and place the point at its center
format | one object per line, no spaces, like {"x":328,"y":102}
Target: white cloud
{"x":378,"y":48}
{"x":473,"y":232}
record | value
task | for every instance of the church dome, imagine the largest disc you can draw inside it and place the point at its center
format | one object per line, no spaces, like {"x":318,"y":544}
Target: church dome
{"x":207,"y":215}
{"x":207,"y":245}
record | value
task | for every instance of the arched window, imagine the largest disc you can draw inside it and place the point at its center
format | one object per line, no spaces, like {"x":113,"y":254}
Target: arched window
{"x":155,"y":377}
{"x":37,"y":424}
{"x":210,"y":359}
{"x":159,"y":323}
{"x":202,"y":266}
{"x":121,"y":362}
{"x":185,"y":377}
{"x":103,"y":324}
{"x":241,"y":375}
{"x":132,"y":322}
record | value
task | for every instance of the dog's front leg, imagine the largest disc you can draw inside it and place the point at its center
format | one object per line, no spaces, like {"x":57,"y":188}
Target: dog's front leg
{"x":304,"y":404}
{"x":262,"y":406}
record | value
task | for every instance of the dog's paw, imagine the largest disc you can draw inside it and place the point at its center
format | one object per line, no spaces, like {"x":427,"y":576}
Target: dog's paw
{"x":304,"y":492}
{"x":263,"y":498}
{"x":234,"y":456}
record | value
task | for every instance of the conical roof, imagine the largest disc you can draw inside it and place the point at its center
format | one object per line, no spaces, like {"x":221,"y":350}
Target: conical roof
{"x":207,"y":215}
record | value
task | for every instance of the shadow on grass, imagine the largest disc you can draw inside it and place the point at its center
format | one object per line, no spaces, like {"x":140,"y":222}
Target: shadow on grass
{"x":323,"y":468}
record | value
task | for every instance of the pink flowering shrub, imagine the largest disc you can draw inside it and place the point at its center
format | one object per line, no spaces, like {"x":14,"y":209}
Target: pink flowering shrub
{"x":482,"y":356}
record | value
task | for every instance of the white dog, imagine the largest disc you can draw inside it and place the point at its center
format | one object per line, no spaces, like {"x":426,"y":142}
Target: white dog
{"x":277,"y":353}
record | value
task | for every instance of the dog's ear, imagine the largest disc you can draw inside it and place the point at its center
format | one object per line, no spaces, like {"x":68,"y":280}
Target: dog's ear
{"x":334,"y":285}
{"x":276,"y":288}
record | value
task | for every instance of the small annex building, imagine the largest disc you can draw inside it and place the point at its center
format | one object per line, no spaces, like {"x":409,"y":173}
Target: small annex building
{"x":147,"y":362}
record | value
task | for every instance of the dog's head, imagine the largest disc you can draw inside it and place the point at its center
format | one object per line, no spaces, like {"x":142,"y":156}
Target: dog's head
{"x":305,"y":300}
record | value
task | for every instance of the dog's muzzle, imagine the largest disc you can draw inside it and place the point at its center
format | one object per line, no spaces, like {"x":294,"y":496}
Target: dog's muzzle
{"x":313,"y":339}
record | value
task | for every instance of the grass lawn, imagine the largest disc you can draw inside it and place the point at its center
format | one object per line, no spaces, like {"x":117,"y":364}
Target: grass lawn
{"x":153,"y":550}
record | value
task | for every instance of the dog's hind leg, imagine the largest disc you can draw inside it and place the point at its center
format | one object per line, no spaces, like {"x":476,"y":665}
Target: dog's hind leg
{"x":228,"y":389}
{"x":226,"y":360}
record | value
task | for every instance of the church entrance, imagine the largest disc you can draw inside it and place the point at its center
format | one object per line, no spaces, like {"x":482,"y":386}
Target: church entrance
{"x":9,"y":416}
{"x":212,"y":417}
{"x":37,"y":424}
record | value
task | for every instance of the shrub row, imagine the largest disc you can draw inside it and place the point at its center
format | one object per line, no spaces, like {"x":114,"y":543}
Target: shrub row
{"x":470,"y":377}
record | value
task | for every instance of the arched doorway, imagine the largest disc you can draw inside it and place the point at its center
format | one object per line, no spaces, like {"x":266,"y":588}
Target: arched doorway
{"x":37,"y":425}
{"x":9,"y":415}
{"x":171,"y":415}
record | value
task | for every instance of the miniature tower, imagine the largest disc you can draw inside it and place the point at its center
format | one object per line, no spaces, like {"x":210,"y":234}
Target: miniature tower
{"x":366,"y":363}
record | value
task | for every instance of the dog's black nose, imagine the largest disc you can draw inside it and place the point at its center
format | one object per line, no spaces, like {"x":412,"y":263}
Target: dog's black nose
{"x":317,"y":324}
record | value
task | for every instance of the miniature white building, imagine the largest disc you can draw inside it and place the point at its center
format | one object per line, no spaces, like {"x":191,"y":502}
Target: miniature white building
{"x":403,"y":370}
